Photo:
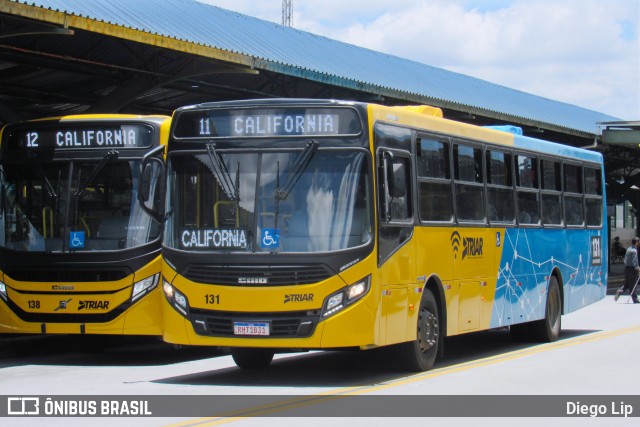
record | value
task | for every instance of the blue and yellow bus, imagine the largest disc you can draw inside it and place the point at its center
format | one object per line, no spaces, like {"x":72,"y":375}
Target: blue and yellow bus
{"x":311,"y":224}
{"x":79,"y":245}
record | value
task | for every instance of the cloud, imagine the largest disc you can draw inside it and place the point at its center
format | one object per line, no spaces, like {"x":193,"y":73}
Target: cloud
{"x":584,"y":52}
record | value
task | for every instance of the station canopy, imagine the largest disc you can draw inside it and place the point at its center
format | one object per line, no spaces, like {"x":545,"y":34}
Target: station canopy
{"x":60,"y":57}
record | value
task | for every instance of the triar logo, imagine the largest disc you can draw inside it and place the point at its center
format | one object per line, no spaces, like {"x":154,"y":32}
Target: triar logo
{"x":471,"y":246}
{"x":93,"y":305}
{"x":455,"y":242}
{"x":298,"y":298}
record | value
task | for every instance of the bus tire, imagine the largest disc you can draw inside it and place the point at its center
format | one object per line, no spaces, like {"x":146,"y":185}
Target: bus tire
{"x":420,"y":355}
{"x":548,"y":329}
{"x":252,"y":358}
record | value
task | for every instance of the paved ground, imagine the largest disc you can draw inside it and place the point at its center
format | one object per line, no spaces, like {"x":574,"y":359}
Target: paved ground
{"x":616,"y":278}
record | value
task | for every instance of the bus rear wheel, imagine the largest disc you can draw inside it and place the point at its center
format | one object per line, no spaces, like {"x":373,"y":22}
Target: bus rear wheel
{"x":420,"y":355}
{"x":252,"y":358}
{"x":548,"y":329}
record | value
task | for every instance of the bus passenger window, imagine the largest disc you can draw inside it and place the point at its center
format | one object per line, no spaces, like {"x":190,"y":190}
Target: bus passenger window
{"x":434,"y":181}
{"x":573,"y":208}
{"x":592,"y":182}
{"x":433,"y":159}
{"x":593,"y":196}
{"x":551,"y":209}
{"x":527,"y":194}
{"x":469,"y":188}
{"x":594,"y":212}
{"x":435,"y":201}
{"x":551,"y":192}
{"x":500,"y":187}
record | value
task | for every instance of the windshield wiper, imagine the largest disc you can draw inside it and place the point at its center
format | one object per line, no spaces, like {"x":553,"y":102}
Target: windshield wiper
{"x":111,"y":155}
{"x":222,"y":173}
{"x":299,"y":167}
{"x":51,"y":192}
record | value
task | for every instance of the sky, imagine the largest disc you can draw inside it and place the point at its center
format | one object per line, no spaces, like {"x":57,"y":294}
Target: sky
{"x":583,"y":52}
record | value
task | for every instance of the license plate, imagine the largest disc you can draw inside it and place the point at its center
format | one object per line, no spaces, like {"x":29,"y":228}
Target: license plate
{"x":251,"y":328}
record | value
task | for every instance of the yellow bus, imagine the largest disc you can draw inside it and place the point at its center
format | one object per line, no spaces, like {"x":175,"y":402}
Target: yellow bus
{"x":317,"y":224}
{"x":79,"y":244}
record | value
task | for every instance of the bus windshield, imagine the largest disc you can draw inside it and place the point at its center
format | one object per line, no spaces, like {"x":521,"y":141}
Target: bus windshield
{"x":69,"y":206}
{"x":310,"y":200}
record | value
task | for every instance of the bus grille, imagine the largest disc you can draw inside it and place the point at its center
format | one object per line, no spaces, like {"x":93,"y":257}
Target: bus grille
{"x":66,"y":274}
{"x":281,"y":325}
{"x":260,"y":275}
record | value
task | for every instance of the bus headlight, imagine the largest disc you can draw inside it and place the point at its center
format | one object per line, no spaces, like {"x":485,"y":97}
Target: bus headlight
{"x":176,"y":299}
{"x":144,"y":286}
{"x":3,"y":291}
{"x":168,"y":290}
{"x":345,"y":296}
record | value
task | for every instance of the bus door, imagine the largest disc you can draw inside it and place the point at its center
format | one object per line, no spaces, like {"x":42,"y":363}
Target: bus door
{"x":395,"y":256}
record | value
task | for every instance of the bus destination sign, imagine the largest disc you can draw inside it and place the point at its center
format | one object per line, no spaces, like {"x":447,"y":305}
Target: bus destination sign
{"x":80,"y":137}
{"x":255,"y":123}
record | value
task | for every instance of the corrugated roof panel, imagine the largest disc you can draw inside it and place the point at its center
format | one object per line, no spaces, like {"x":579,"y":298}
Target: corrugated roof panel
{"x":212,"y":26}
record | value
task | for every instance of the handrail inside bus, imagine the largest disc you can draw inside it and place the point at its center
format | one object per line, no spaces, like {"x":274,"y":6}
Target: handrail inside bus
{"x":45,"y":210}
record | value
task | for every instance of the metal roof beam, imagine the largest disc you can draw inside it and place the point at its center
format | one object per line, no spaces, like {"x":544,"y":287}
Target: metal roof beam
{"x":8,"y":115}
{"x":123,"y":95}
{"x":46,"y":32}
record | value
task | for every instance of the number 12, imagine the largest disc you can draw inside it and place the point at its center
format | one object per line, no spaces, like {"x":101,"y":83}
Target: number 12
{"x":32,"y":138}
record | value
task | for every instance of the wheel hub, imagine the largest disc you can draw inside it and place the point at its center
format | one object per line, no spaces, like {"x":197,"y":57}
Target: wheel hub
{"x":428,"y":332}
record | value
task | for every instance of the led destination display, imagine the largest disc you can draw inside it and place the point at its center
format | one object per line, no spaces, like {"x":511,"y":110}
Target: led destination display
{"x":255,"y":123}
{"x":79,"y":137}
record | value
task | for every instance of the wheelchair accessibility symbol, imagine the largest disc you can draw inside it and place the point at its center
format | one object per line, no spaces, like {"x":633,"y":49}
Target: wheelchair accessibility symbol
{"x":76,"y":240}
{"x":270,"y":238}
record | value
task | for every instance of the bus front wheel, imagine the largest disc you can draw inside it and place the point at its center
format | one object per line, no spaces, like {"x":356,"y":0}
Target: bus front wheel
{"x":252,"y":358}
{"x":420,"y":355}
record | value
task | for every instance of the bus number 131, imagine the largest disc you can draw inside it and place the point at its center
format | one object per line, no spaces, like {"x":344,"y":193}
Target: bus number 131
{"x":212,"y":299}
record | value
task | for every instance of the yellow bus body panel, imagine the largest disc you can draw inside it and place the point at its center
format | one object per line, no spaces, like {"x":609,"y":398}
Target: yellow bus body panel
{"x":467,"y":282}
{"x":356,"y":325}
{"x":410,"y":117}
{"x":141,"y":318}
{"x":389,"y":313}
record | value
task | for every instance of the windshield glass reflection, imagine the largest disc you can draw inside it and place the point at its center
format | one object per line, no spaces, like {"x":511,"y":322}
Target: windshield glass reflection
{"x":325,"y":208}
{"x":73,"y":206}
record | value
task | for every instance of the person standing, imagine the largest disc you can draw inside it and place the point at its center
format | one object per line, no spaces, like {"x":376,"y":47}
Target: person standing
{"x":631,"y":271}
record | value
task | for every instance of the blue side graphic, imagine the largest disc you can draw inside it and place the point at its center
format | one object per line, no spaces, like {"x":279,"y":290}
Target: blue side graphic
{"x":528,"y":258}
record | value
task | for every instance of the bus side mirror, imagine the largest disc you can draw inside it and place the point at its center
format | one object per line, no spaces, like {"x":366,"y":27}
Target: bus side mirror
{"x":151,"y":187}
{"x":145,"y":183}
{"x":395,"y":176}
{"x":397,"y":182}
